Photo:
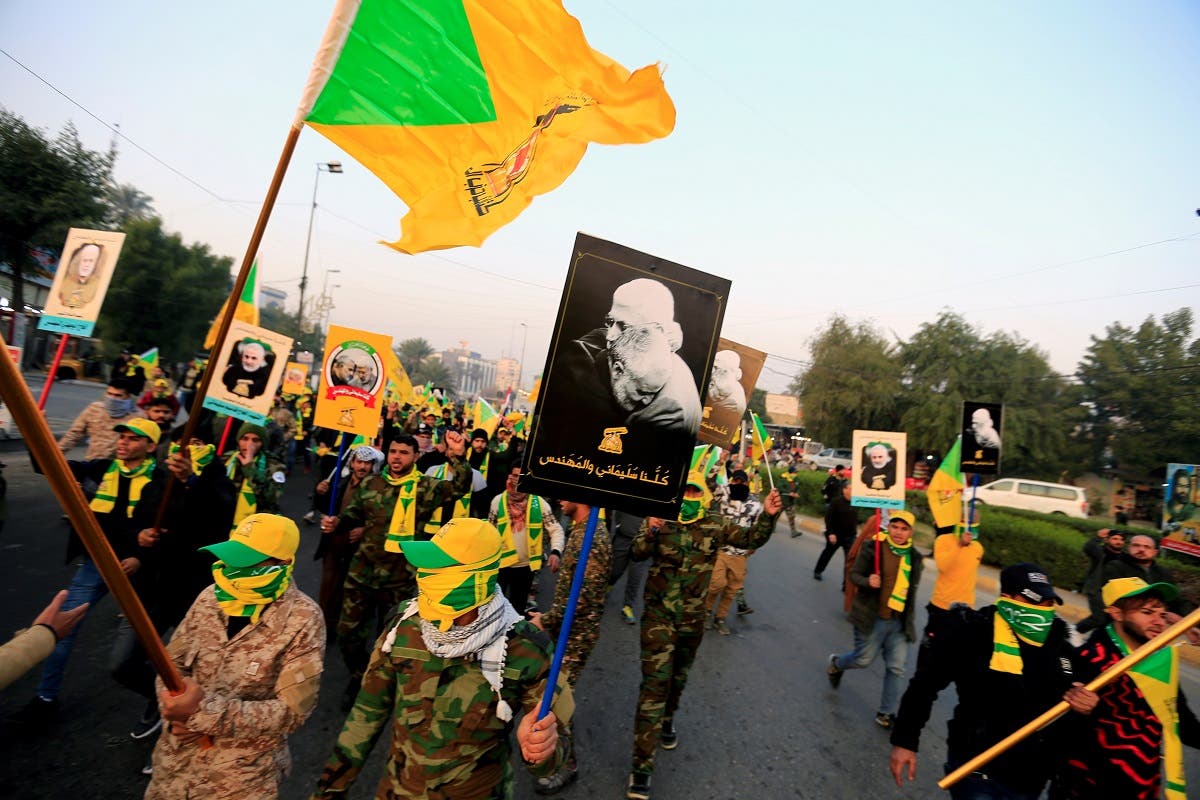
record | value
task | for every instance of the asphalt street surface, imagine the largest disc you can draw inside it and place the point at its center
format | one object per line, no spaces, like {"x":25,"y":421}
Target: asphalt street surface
{"x":758,"y":719}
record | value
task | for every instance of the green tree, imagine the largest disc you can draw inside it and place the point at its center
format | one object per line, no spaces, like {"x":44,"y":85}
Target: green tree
{"x":46,"y":186}
{"x":758,"y":403}
{"x":853,"y":381}
{"x":128,"y":203}
{"x":165,"y":293}
{"x":1140,"y":387}
{"x":949,"y":360}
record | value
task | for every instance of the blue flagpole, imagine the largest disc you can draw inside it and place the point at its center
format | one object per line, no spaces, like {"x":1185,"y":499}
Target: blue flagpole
{"x":560,"y":648}
{"x":337,"y":474}
{"x":974,"y":491}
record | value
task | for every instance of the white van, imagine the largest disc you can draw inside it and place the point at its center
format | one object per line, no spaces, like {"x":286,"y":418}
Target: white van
{"x":1047,"y":498}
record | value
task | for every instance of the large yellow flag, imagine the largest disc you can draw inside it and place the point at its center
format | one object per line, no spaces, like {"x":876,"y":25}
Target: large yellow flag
{"x":397,"y":377}
{"x":468,"y":109}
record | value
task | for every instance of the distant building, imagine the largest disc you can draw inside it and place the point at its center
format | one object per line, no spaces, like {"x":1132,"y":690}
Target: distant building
{"x":470,"y":373}
{"x":270,"y":297}
{"x":784,"y":409}
{"x":508,"y":375}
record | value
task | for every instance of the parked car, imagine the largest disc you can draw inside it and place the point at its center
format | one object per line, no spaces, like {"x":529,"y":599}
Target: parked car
{"x":1048,"y":498}
{"x":831,"y":457}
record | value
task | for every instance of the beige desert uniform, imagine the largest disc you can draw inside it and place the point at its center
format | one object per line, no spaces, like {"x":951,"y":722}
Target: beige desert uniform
{"x":258,"y":687}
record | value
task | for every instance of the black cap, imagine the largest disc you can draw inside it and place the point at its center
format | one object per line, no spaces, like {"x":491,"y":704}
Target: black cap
{"x":739,"y":475}
{"x":1029,"y":581}
{"x":479,"y":433}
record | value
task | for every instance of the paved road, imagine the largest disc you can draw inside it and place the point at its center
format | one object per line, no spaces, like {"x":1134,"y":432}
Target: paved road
{"x":758,"y":719}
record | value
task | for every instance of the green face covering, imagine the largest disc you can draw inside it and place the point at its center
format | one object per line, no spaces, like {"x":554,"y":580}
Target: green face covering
{"x":1030,"y":623}
{"x":247,"y":591}
{"x":691,"y":510}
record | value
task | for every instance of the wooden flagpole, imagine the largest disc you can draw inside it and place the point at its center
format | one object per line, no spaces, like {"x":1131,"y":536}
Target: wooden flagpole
{"x":43,"y":448}
{"x":1109,"y":675}
{"x":256,"y":237}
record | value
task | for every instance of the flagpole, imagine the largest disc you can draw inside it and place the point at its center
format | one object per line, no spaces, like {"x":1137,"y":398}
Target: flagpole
{"x":224,"y":436}
{"x":974,"y":492}
{"x":1109,"y":675}
{"x":260,"y":227}
{"x":58,"y":354}
{"x":337,"y":473}
{"x":564,"y":631}
{"x":766,"y":459}
{"x":44,"y":450}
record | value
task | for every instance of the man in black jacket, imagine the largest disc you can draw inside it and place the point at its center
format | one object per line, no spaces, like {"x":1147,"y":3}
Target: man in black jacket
{"x":1107,"y":545}
{"x":841,"y":528}
{"x":1009,"y":662}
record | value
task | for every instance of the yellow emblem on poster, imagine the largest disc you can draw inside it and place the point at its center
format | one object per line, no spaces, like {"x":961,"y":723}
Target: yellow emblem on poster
{"x":295,"y":378}
{"x":350,"y":397}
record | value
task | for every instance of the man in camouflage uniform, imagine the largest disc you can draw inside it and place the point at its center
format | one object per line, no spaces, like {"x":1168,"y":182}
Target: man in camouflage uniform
{"x":251,"y":660}
{"x":789,"y":489}
{"x":450,"y":674}
{"x":683,"y":552}
{"x":379,"y":577}
{"x":589,"y":610}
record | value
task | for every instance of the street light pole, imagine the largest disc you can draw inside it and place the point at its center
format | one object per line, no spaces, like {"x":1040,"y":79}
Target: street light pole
{"x":521,"y":364}
{"x":329,"y":166}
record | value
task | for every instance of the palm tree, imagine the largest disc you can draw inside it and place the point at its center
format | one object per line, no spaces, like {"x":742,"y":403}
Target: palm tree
{"x":129,"y":203}
{"x":412,"y":354}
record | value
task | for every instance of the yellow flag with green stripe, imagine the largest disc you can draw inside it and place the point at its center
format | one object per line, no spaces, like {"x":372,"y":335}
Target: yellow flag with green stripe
{"x":246,"y":311}
{"x":468,"y":109}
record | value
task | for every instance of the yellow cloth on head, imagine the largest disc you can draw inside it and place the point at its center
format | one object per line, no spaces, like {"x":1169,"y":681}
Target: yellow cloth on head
{"x":445,"y":594}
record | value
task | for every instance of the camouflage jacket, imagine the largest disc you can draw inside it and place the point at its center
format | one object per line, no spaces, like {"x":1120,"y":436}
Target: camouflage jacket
{"x":261,"y":476}
{"x":590,"y":606}
{"x":95,"y":425}
{"x":683,"y":558}
{"x":447,"y":741}
{"x":258,"y":687}
{"x":371,"y":507}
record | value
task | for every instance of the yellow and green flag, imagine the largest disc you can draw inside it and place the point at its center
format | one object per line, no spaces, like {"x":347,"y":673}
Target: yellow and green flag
{"x":246,"y":311}
{"x":946,"y":488}
{"x":468,"y":109}
{"x":486,"y":416}
{"x":399,"y":385}
{"x":533,"y":393}
{"x":762,"y":442}
{"x":149,"y":360}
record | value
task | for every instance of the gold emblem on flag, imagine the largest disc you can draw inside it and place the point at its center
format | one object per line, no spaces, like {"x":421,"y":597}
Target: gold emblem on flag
{"x":611,"y":443}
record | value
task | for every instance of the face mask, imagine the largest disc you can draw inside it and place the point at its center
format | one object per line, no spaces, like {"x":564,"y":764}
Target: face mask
{"x":118,"y":407}
{"x":739,"y":491}
{"x":1029,"y":622}
{"x":690,"y":510}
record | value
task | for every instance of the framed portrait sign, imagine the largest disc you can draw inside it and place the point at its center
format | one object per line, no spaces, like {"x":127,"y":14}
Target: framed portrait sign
{"x":981,"y":423}
{"x":350,"y":396}
{"x":878,"y":469}
{"x":619,"y":406}
{"x":295,"y":378}
{"x":81,"y":281}
{"x":249,"y":368}
{"x":1181,"y":509}
{"x":735,"y":371}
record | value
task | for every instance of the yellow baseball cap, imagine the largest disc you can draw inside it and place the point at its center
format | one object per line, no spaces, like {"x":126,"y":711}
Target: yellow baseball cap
{"x":904,"y":516}
{"x":142,"y":427}
{"x":1120,"y":588}
{"x":461,"y":542}
{"x":257,"y":538}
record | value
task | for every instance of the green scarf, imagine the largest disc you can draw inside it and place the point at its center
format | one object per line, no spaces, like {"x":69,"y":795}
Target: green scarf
{"x":247,"y":502}
{"x":1017,"y":620}
{"x":403,"y":525}
{"x":246,"y":591}
{"x":899,"y":595}
{"x":1157,"y":678}
{"x":105,"y":499}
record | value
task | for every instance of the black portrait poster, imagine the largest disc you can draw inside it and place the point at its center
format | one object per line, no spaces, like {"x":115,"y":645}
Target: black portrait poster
{"x":735,"y":371}
{"x":981,"y":424}
{"x":620,"y":402}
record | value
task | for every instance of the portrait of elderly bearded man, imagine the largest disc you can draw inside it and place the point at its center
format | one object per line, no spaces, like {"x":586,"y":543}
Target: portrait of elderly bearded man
{"x":248,"y":369}
{"x":82,"y":281}
{"x":725,"y":390}
{"x":629,"y":370}
{"x":879,"y":468}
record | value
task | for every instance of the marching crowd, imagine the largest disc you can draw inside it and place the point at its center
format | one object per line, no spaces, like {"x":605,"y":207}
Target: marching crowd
{"x":429,"y":552}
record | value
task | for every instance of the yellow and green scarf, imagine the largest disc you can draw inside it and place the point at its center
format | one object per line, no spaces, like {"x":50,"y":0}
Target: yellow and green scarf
{"x":462,"y":506}
{"x":247,"y":503}
{"x":403,"y":526}
{"x":105,"y":499}
{"x":446,"y":593}
{"x":533,"y":532}
{"x":200,"y":454}
{"x":899,"y":596}
{"x":247,"y":591}
{"x":1157,"y":678}
{"x":1015,"y":620}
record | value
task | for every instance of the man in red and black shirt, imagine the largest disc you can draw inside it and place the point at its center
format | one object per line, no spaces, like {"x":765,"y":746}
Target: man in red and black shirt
{"x":1122,"y":749}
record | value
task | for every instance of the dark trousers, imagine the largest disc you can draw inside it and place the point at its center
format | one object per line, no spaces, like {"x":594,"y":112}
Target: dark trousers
{"x":515,"y":582}
{"x":830,"y":549}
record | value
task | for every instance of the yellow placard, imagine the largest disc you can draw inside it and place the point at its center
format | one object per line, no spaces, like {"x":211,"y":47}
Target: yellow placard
{"x":353,"y":375}
{"x":295,"y":378}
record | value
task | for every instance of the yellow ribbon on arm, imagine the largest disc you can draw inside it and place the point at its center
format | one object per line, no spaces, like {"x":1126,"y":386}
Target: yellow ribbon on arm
{"x":1157,"y":678}
{"x":403,"y":525}
{"x":899,"y":595}
{"x":105,"y":499}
